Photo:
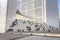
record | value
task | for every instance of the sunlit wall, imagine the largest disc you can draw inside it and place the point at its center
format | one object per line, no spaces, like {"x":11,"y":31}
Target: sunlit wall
{"x":3,"y":8}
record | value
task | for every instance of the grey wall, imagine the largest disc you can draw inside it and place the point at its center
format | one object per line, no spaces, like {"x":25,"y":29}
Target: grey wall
{"x":52,"y":12}
{"x":11,"y":12}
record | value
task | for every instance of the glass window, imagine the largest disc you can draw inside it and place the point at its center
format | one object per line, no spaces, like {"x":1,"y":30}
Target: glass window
{"x":38,"y":12}
{"x":30,"y":13}
{"x":40,"y":20}
{"x":18,"y":1}
{"x":30,"y":5}
{"x":43,"y":19}
{"x":44,"y":9}
{"x":29,"y":0}
{"x":37,"y":3}
{"x":18,"y":5}
{"x":23,"y":1}
{"x":23,"y":12}
{"x":23,"y":7}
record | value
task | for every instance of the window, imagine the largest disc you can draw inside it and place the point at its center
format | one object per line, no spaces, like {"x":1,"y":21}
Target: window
{"x":23,"y":12}
{"x":29,"y":0}
{"x":30,"y":13}
{"x":40,"y":20}
{"x":23,"y":7}
{"x":23,"y":1}
{"x":38,"y":12}
{"x":37,"y":3}
{"x":44,"y":19}
{"x":30,"y":5}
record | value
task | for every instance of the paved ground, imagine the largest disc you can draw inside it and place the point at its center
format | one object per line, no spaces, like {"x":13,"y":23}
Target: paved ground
{"x":39,"y":38}
{"x":9,"y":36}
{"x":27,"y":36}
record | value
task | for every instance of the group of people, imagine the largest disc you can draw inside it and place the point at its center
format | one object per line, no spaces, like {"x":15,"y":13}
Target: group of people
{"x":38,"y":26}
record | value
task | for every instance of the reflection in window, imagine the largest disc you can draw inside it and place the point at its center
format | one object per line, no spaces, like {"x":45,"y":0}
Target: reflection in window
{"x":38,"y":12}
{"x":37,"y":3}
{"x":43,"y":19}
{"x":18,"y":1}
{"x":29,"y":0}
{"x":30,"y":5}
{"x":23,"y":7}
{"x":40,"y":20}
{"x":23,"y":1}
{"x":23,"y":12}
{"x":30,"y":13}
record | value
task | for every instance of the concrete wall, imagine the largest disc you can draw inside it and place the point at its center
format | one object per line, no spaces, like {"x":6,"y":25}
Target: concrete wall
{"x":3,"y":6}
{"x":52,"y":15}
{"x":11,"y":12}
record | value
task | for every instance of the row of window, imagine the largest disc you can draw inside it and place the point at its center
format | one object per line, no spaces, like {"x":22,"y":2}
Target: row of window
{"x":24,"y":1}
{"x":30,"y":7}
{"x":33,"y":12}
